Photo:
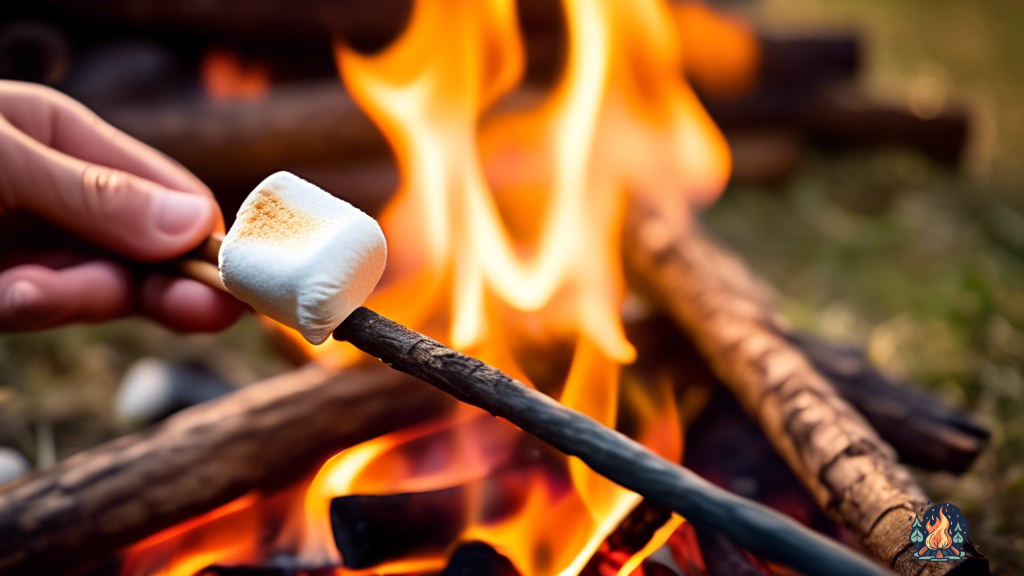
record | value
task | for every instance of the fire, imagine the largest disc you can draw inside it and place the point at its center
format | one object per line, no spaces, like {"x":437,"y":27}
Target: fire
{"x":504,"y":241}
{"x":938,"y":533}
{"x":226,"y":77}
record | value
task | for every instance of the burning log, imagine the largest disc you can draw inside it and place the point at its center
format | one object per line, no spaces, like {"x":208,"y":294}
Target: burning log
{"x":369,"y":530}
{"x":478,"y":559}
{"x":852,"y":473}
{"x":264,"y":436}
{"x":724,"y":558}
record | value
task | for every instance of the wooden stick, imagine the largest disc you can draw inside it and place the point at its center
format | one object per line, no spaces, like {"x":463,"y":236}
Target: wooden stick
{"x":201,"y":264}
{"x":852,"y":473}
{"x":88,"y":507}
{"x":608,"y":452}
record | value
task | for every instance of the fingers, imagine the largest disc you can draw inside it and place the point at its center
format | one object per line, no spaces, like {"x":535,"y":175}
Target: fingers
{"x":188,"y":306}
{"x":114,"y":209}
{"x":34,"y":297}
{"x":61,"y":123}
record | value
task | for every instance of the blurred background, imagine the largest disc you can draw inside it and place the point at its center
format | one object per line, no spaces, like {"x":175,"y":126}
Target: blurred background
{"x":891,"y":219}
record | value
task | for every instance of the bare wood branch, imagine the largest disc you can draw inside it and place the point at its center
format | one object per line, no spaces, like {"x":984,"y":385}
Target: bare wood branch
{"x":852,"y":473}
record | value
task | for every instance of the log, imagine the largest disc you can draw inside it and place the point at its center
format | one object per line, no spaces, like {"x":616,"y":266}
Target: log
{"x":724,"y":558}
{"x":628,"y":538}
{"x":478,"y":559}
{"x":369,"y":530}
{"x":264,"y":436}
{"x":852,"y":473}
{"x":311,"y":123}
{"x":841,"y":117}
{"x":924,"y":432}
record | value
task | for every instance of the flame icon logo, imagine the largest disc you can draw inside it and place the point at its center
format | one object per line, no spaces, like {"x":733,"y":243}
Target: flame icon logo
{"x":939,"y":534}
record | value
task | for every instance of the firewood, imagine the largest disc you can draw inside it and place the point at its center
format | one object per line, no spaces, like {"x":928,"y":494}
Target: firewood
{"x":852,"y":473}
{"x":724,"y":558}
{"x":628,"y":538}
{"x":369,"y":530}
{"x":311,"y":123}
{"x":478,"y":559}
{"x":841,"y":116}
{"x":924,"y":432}
{"x":264,"y":436}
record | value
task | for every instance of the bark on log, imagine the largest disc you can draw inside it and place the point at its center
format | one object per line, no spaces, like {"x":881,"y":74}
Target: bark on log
{"x":89,"y":506}
{"x":311,"y":123}
{"x":852,"y":473}
{"x":924,"y":432}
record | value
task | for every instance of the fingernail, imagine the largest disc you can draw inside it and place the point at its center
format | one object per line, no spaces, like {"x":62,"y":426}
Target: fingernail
{"x":176,"y":212}
{"x":22,"y":298}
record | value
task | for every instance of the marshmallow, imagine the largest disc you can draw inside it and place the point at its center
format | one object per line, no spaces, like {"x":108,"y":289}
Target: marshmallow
{"x":301,"y":256}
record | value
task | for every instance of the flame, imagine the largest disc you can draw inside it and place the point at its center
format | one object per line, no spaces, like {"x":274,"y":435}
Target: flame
{"x":226,"y":77}
{"x":504,"y":241}
{"x":938,"y":532}
{"x":721,"y":53}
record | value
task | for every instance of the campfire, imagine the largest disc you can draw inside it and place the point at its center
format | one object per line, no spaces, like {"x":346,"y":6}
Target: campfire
{"x":504,"y":241}
{"x":539,"y":231}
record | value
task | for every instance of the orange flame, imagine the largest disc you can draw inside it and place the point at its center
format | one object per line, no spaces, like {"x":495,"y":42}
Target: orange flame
{"x":504,"y":241}
{"x":938,"y":532}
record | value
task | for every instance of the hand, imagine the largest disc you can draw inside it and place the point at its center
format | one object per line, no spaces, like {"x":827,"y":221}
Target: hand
{"x":71,"y":185}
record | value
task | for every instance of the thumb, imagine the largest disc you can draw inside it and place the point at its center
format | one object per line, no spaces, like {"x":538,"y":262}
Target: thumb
{"x":130,"y":215}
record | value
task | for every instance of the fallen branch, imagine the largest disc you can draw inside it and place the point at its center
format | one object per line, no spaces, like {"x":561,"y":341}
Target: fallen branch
{"x":86,"y":508}
{"x":852,"y":473}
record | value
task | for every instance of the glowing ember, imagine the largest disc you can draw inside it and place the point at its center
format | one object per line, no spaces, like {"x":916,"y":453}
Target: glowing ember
{"x":504,"y":242}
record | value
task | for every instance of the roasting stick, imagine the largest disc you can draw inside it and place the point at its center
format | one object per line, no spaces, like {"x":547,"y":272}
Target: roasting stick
{"x":757,"y":528}
{"x":308,"y":260}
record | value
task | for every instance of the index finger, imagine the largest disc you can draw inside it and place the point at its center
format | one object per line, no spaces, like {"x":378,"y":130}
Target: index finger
{"x":61,"y":123}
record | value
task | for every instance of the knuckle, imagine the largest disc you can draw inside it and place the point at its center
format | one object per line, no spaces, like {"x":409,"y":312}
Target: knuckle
{"x":105,"y":191}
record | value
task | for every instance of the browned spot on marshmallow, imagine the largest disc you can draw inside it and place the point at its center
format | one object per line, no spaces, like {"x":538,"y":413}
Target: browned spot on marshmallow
{"x":269,"y":218}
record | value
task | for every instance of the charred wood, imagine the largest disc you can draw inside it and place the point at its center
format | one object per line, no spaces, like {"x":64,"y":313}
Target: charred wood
{"x":369,"y":530}
{"x":478,"y":559}
{"x":262,"y":437}
{"x":629,"y":537}
{"x":924,"y":432}
{"x":724,"y":558}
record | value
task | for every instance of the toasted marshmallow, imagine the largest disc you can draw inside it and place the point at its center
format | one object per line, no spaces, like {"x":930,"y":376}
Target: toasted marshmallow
{"x":301,"y":256}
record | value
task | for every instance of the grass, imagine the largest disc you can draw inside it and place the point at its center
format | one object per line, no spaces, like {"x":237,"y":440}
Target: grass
{"x":912,"y":264}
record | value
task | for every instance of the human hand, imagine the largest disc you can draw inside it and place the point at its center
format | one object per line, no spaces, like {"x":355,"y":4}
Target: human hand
{"x":64,"y":170}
